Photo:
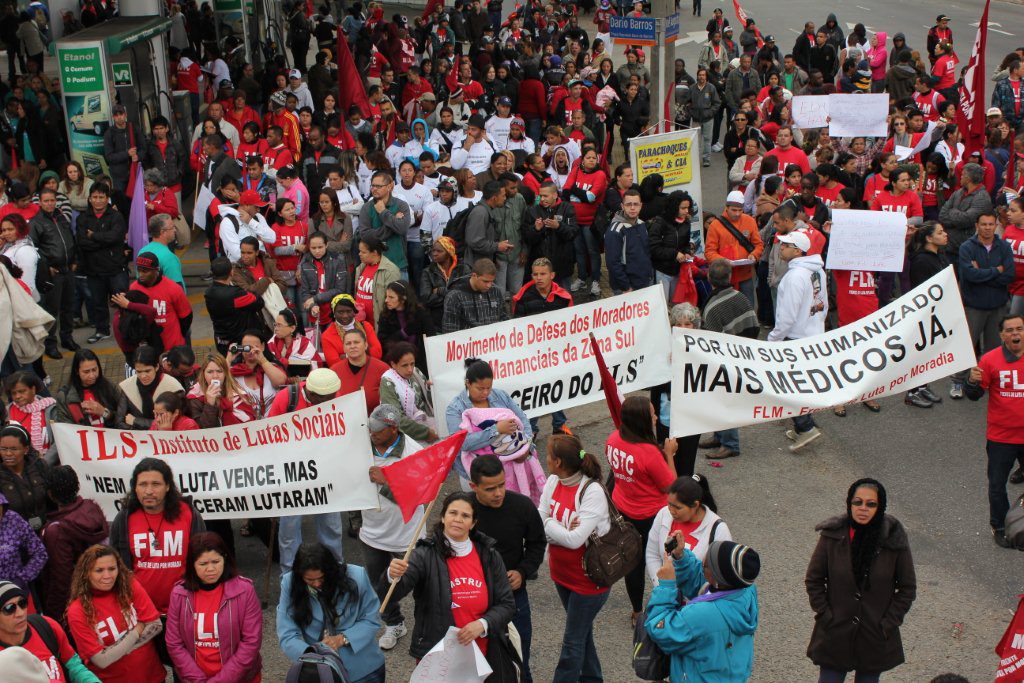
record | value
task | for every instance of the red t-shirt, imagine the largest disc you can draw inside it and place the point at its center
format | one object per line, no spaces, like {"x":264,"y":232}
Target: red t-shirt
{"x":945,"y":71}
{"x":289,"y":236}
{"x":207,"y":632}
{"x":793,"y":155}
{"x":873,"y":185}
{"x":817,"y":238}
{"x":469,"y":591}
{"x":324,"y":314}
{"x":908,"y":203}
{"x":141,"y":665}
{"x":171,"y":304}
{"x":188,"y":77}
{"x":928,"y":104}
{"x":566,"y":564}
{"x":689,"y":540}
{"x":257,"y":270}
{"x":855,"y":295}
{"x":1005,"y":383}
{"x":1014,"y":236}
{"x":158,"y":549}
{"x":88,"y":395}
{"x":827,"y":195}
{"x":641,"y":476}
{"x":364,"y":290}
{"x":930,"y":190}
{"x":37,"y":647}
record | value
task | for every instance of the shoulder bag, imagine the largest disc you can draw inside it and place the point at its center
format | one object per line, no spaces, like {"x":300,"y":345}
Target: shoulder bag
{"x":610,"y":557}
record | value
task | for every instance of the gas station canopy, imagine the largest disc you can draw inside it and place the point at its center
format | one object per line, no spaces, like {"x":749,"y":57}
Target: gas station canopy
{"x":119,"y":33}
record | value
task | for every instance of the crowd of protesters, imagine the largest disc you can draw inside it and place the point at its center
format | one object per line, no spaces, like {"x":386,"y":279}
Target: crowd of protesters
{"x":474,"y":183}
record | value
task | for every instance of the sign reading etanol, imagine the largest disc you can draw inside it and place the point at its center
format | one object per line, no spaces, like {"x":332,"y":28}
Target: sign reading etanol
{"x":80,"y":69}
{"x":122,"y":72}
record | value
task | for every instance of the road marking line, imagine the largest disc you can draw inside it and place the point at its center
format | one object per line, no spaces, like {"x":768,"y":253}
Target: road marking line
{"x":995,"y":30}
{"x":866,"y":9}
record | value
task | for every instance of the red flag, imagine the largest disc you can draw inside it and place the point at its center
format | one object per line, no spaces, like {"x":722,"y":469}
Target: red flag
{"x":431,"y":6}
{"x":350,"y":83}
{"x":1011,"y":649}
{"x":741,"y":16}
{"x":670,"y":101}
{"x":970,"y":114}
{"x":416,"y":480}
{"x":612,"y":395}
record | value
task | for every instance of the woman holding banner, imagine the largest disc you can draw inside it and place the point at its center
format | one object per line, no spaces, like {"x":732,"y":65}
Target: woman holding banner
{"x":927,"y":259}
{"x":458,"y":579}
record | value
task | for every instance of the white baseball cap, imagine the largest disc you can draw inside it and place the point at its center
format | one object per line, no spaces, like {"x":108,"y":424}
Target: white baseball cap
{"x":295,"y":73}
{"x":798,"y":239}
{"x":735,"y":197}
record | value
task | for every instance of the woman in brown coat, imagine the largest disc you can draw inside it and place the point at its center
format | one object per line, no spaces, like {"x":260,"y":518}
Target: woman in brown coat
{"x":861,"y":584}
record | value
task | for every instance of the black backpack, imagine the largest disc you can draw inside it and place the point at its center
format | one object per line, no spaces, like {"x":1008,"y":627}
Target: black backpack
{"x":456,"y":228}
{"x":135,"y":329}
{"x":318,"y":664}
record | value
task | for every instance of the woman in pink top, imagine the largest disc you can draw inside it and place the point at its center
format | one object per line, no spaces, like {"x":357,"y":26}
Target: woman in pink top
{"x":642,"y":473}
{"x":878,"y":60}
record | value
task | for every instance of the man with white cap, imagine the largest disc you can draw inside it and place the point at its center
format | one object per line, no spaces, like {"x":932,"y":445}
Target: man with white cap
{"x":385,"y":535}
{"x":42,"y":637}
{"x":711,"y":636}
{"x":297,"y":87}
{"x":800,"y":311}
{"x":321,"y":386}
{"x":734,"y":235}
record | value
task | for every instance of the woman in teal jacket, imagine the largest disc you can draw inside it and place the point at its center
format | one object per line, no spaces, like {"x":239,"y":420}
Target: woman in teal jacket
{"x":711,"y":637}
{"x":317,"y":586}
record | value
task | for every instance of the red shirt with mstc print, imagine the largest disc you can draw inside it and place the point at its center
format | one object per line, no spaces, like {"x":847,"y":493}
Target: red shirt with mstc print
{"x":566,"y":564}
{"x":642,"y":476}
{"x":158,"y":548}
{"x":37,"y":647}
{"x":469,"y":591}
{"x":1003,"y":375}
{"x":110,"y":625}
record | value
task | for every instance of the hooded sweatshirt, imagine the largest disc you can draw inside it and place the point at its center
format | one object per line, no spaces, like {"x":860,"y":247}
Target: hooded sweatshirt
{"x":304,"y":96}
{"x":802,"y":304}
{"x":878,"y":57}
{"x":68,"y":532}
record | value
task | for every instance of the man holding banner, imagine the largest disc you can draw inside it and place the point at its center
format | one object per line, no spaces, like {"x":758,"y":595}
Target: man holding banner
{"x":800,"y":312}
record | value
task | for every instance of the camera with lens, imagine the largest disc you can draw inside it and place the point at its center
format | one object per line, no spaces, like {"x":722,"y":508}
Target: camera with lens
{"x":671,"y":544}
{"x":238,"y":348}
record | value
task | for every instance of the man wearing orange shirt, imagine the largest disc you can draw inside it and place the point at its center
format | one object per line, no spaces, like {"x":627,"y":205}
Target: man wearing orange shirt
{"x":286,"y":121}
{"x":734,"y":236}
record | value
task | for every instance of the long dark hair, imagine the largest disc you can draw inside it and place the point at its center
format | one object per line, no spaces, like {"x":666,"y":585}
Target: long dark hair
{"x":866,"y":537}
{"x":441,"y":543}
{"x":204,"y":542}
{"x":103,"y":388}
{"x":635,"y":425}
{"x":337,"y":584}
{"x":172,"y":503}
{"x":693,"y":490}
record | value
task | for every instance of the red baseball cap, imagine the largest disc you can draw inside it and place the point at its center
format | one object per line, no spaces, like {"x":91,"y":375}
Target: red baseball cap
{"x":251,"y":198}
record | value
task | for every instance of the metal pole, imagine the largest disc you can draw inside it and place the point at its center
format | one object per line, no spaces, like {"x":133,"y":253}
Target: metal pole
{"x":662,"y":64}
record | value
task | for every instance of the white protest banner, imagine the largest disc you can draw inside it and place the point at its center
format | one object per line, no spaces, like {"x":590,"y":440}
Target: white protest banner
{"x":545,"y":361}
{"x":810,"y":111}
{"x":721,"y":381}
{"x":449,"y":662}
{"x":307,"y":462}
{"x":902,"y":152}
{"x":867,"y":240}
{"x":854,"y":115}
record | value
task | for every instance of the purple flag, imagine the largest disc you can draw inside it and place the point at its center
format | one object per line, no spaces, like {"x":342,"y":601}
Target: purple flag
{"x":138,"y":231}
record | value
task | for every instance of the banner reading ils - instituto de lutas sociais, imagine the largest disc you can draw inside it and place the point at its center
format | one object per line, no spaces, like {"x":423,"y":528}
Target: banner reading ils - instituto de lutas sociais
{"x":310,"y":461}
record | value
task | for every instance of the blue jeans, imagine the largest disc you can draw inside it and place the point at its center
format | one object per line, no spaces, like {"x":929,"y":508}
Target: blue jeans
{"x":289,"y":536}
{"x":534,"y":127}
{"x":375,"y":677}
{"x":588,"y":258}
{"x":827,"y":675}
{"x":558,"y":419}
{"x":668,"y":283}
{"x":729,"y":438}
{"x":747,"y":289}
{"x":1001,"y":457}
{"x":578,"y":661}
{"x":524,"y":624}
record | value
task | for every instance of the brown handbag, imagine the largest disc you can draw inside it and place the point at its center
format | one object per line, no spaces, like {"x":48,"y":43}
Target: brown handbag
{"x":610,"y":557}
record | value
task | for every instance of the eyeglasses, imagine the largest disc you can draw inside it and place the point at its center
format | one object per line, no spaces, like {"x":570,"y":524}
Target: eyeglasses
{"x":870,"y":504}
{"x":378,"y":187}
{"x":12,"y":607}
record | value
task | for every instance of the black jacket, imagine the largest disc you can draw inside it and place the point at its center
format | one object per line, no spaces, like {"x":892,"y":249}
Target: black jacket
{"x":53,"y":238}
{"x":171,"y":164}
{"x":103,"y":253}
{"x":26,"y":494}
{"x":313,"y":171}
{"x":427,"y":578}
{"x":418,"y":325}
{"x":434,"y":287}
{"x":555,"y":245}
{"x":232,"y":311}
{"x":222,"y":167}
{"x":666,"y":239}
{"x":119,"y":532}
{"x":824,"y":60}
{"x":528,"y":300}
{"x":116,"y":143}
{"x":632,"y":117}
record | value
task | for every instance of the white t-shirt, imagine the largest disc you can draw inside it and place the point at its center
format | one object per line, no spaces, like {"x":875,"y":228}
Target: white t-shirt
{"x":498,"y":131}
{"x":383,"y":528}
{"x":417,"y":197}
{"x":436,"y":217}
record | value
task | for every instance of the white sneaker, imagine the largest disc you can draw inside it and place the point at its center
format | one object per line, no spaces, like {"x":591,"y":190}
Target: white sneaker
{"x":391,"y":636}
{"x":595,"y":288}
{"x":804,"y":438}
{"x":791,"y":434}
{"x":956,"y":391}
{"x":717,"y":147}
{"x":576,"y":285}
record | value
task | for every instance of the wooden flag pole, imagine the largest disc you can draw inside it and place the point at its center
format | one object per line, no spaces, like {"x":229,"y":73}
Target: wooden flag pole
{"x":408,"y":551}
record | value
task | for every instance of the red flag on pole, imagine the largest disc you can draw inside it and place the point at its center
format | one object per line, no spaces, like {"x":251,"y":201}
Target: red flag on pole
{"x":970,"y":114}
{"x":1011,"y":649}
{"x":415,"y":480}
{"x":431,"y":6}
{"x":741,"y":16}
{"x":350,"y":83}
{"x":612,"y":395}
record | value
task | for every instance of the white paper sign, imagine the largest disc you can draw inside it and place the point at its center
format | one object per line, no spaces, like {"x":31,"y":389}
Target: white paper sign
{"x":201,"y":206}
{"x":720,"y":381}
{"x":926,"y":139}
{"x":449,"y":662}
{"x":902,"y":152}
{"x":854,"y":115}
{"x":867,"y":240}
{"x":546,"y":362}
{"x":810,"y":111}
{"x":307,"y":462}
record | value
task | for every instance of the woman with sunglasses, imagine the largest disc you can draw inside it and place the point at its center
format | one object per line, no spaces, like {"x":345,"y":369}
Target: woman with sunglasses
{"x":17,"y":631}
{"x":113,"y":620}
{"x":861,"y":584}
